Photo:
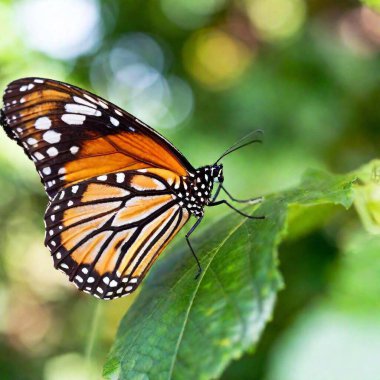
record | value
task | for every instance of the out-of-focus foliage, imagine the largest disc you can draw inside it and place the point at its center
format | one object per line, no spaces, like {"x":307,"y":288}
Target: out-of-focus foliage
{"x":372,"y":3}
{"x":205,"y":73}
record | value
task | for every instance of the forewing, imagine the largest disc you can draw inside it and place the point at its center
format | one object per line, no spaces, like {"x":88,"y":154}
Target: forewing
{"x":73,"y":135}
{"x":106,"y":232}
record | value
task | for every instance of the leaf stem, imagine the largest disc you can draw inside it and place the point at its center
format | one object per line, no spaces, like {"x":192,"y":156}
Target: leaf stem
{"x":92,"y":335}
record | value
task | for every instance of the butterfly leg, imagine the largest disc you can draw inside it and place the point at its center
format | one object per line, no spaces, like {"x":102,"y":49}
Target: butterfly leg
{"x":235,"y":209}
{"x":251,"y":201}
{"x":216,"y":193}
{"x":192,"y":229}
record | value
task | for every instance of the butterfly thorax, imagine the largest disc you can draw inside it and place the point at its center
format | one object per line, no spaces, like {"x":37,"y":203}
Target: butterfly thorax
{"x":195,"y":190}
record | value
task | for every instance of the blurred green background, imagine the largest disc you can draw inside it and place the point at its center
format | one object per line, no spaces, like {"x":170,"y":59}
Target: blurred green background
{"x":205,"y":73}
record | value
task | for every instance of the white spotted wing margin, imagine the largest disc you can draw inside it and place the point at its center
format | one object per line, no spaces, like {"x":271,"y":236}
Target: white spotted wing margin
{"x":73,"y":135}
{"x":105,"y":233}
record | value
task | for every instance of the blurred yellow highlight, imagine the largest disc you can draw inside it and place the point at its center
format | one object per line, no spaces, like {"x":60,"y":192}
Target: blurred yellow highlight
{"x":276,"y":19}
{"x":216,"y":59}
{"x":375,"y":4}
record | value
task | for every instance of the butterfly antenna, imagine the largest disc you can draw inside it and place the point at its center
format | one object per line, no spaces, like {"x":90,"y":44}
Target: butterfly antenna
{"x":251,"y":138}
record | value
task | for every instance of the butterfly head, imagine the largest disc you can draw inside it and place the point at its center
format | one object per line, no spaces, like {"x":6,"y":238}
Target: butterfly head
{"x":217,"y":173}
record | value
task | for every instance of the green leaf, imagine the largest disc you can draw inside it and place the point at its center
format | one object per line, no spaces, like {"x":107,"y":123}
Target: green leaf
{"x":367,"y":196}
{"x":181,"y":328}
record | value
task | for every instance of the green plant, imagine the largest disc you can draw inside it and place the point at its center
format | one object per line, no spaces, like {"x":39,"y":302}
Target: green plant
{"x":179,"y":328}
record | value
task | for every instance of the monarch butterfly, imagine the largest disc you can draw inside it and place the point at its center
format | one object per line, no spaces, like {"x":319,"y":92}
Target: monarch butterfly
{"x":118,"y":191}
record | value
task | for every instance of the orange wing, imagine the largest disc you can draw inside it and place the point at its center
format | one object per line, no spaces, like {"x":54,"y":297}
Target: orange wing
{"x":106,"y":232}
{"x":73,"y":135}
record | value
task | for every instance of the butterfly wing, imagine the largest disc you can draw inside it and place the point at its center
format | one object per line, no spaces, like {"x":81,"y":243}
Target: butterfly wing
{"x":106,"y":232}
{"x":73,"y":135}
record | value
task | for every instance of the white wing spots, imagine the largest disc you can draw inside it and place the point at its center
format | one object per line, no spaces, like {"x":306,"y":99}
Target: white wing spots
{"x":51,"y":137}
{"x":42,"y":123}
{"x":62,"y":171}
{"x":82,"y":110}
{"x":106,"y":280}
{"x":79,"y":278}
{"x":102,"y":178}
{"x":84,"y":102}
{"x":46,"y":170}
{"x":52,"y":152}
{"x":74,"y":149}
{"x":50,"y":183}
{"x":133,"y":280}
{"x":120,"y":177}
{"x":58,"y":255}
{"x":22,"y":100}
{"x":113,"y":284}
{"x":75,"y":188}
{"x":31,"y":141}
{"x":38,"y":81}
{"x":85,"y":270}
{"x":90,"y":280}
{"x":129,"y":288}
{"x":26,"y":87}
{"x":64,"y":266}
{"x":114,"y":121}
{"x":18,"y":129}
{"x":99,"y":289}
{"x":132,"y":129}
{"x":170,"y":181}
{"x":73,"y":119}
{"x":102,"y":104}
{"x":62,"y":195}
{"x":70,"y":203}
{"x":39,"y":156}
{"x":118,"y":112}
{"x":90,"y":98}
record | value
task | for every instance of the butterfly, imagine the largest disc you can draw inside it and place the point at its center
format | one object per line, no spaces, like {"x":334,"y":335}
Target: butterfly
{"x":118,"y":190}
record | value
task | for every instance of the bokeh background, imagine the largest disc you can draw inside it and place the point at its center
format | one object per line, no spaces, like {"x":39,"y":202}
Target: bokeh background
{"x":205,"y":73}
